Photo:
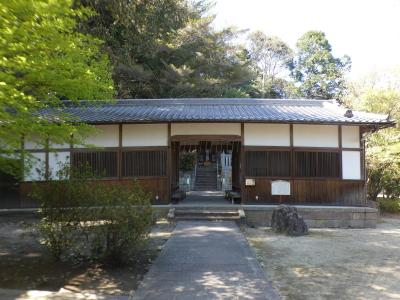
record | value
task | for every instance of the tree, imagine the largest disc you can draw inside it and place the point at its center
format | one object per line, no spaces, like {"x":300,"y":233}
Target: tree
{"x":317,"y":72}
{"x":168,"y":48}
{"x":269,"y":56}
{"x":44,"y":61}
{"x":380,"y":93}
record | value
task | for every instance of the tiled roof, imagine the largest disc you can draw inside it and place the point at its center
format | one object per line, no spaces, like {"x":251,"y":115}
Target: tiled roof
{"x":217,"y":109}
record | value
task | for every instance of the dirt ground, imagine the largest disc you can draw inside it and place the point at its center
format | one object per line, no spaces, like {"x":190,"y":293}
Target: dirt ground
{"x":25,"y":264}
{"x":333,"y":263}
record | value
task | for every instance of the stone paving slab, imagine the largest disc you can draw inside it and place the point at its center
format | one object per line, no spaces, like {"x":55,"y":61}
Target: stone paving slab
{"x":206,"y":260}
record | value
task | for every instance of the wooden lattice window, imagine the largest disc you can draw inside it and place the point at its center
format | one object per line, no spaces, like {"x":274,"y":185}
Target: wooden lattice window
{"x":268,"y":163}
{"x":99,"y":163}
{"x":316,"y":164}
{"x":144,"y":163}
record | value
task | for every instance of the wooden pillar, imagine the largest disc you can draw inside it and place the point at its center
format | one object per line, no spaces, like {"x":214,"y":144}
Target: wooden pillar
{"x":242,"y":164}
{"x":119,"y":154}
{"x":71,"y":150}
{"x":363,"y":164}
{"x":47,"y":170}
{"x":169,"y":165}
{"x":291,"y":151}
{"x":340,"y":152}
{"x":22,"y":157}
{"x":291,"y":197}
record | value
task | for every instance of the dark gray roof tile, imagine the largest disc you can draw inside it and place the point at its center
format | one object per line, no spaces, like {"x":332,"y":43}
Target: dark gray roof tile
{"x":190,"y":109}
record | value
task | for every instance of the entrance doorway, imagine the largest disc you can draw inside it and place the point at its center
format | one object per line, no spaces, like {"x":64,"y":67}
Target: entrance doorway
{"x":205,"y":169}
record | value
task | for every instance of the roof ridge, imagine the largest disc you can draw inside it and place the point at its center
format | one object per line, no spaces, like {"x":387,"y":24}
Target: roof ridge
{"x":204,"y":101}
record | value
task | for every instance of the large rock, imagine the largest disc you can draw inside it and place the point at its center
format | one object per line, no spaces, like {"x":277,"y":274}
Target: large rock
{"x":285,"y":219}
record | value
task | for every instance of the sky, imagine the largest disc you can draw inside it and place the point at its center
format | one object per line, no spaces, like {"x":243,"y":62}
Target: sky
{"x":366,"y":30}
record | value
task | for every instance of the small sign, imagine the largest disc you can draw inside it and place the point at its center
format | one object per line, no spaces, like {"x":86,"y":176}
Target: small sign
{"x":280,"y":187}
{"x":250,"y":182}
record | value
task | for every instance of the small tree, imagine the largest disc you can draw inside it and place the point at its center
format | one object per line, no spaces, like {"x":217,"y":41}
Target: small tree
{"x":88,"y":220}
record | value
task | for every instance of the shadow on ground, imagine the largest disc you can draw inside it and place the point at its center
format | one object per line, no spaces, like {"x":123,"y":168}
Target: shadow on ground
{"x":27,"y":265}
{"x":333,"y":263}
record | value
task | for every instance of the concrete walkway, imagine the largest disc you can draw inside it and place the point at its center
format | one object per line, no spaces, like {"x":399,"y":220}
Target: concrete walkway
{"x":206,"y":260}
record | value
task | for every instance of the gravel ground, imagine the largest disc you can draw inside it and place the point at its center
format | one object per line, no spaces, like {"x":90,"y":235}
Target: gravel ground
{"x":27,"y":265}
{"x":333,"y":263}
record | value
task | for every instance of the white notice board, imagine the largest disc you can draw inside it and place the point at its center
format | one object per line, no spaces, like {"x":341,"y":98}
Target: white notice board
{"x":280,"y":187}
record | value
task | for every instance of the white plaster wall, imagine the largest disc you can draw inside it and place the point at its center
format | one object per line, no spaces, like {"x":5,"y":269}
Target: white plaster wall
{"x":59,"y":146}
{"x":205,"y":128}
{"x":57,"y":160}
{"x":38,"y":162}
{"x":351,"y":165}
{"x":31,"y":143}
{"x":267,"y":134}
{"x":105,"y":136}
{"x":305,"y":135}
{"x":351,"y":136}
{"x":134,"y":135}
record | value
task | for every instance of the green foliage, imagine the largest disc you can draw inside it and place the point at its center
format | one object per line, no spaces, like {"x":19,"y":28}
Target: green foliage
{"x":376,"y":93}
{"x":389,"y":205}
{"x":168,"y":48}
{"x":45,"y":60}
{"x":187,"y":161}
{"x":318,"y":73}
{"x":88,"y":220}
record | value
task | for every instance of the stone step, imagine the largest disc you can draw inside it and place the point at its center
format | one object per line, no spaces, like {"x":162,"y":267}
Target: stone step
{"x":208,"y":213}
{"x":180,"y":213}
{"x":206,"y":182}
{"x":193,"y":218}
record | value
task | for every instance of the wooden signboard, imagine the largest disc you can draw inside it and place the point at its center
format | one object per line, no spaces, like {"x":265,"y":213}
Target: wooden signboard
{"x":280,"y":188}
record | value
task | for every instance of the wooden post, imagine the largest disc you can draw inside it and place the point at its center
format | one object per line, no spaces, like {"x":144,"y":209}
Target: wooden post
{"x":242,"y":164}
{"x":340,"y":152}
{"x":169,"y":164}
{"x":119,"y":153}
{"x":22,"y":158}
{"x":291,"y":162}
{"x":71,"y":152}
{"x":47,"y":170}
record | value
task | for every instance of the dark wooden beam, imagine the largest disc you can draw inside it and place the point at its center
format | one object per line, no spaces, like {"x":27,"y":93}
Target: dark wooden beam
{"x":242,"y":165}
{"x":169,"y":164}
{"x":341,"y":151}
{"x":47,"y":170}
{"x":207,"y":138}
{"x":119,"y":154}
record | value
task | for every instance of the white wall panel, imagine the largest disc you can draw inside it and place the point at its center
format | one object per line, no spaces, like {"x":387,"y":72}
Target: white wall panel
{"x":57,"y":160}
{"x":267,"y":134}
{"x":106,"y":136}
{"x":205,"y":128}
{"x":305,"y":135}
{"x":351,"y":165}
{"x":134,"y":135}
{"x":59,"y":146}
{"x":38,"y":163}
{"x":350,"y":136}
{"x":32,"y":143}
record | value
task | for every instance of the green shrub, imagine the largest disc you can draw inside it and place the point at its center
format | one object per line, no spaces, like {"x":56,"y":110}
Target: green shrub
{"x":187,"y":161}
{"x":389,"y":205}
{"x":84,"y":219}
